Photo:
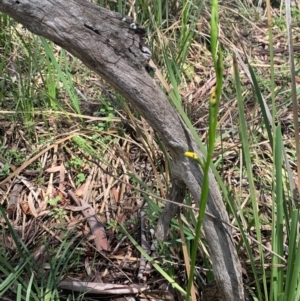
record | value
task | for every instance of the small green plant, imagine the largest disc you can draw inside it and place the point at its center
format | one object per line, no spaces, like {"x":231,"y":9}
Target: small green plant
{"x":75,"y":162}
{"x":112,"y":225}
{"x":99,"y":127}
{"x":295,"y":13}
{"x":280,"y":23}
{"x":54,"y":201}
{"x":107,"y":111}
{"x":14,"y":156}
{"x":58,"y":213}
{"x":4,"y":170}
{"x":80,"y":178}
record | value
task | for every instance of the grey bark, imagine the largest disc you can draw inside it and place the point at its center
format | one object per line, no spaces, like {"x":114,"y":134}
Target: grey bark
{"x":105,"y":43}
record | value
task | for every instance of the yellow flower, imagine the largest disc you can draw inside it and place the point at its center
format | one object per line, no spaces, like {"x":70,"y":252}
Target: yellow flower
{"x":213,"y":95}
{"x":191,"y":155}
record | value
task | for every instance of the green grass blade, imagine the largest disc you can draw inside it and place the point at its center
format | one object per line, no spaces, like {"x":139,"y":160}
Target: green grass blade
{"x":245,"y":146}
{"x":292,"y":272}
{"x":267,"y":119}
{"x":277,"y":224}
{"x":294,"y":286}
{"x":28,"y":292}
{"x":19,"y":292}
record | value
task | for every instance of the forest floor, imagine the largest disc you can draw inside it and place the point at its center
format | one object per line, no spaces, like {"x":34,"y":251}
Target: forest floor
{"x":52,"y":186}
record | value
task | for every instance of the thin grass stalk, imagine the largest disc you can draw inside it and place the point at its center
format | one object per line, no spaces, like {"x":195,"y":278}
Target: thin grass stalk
{"x":186,"y":32}
{"x":120,"y":6}
{"x":295,"y":287}
{"x":186,"y":257}
{"x":167,"y":14}
{"x":159,"y":12}
{"x":19,"y":292}
{"x":293,"y":82}
{"x":277,"y":279}
{"x":266,"y":117}
{"x":274,"y":285}
{"x":245,"y":146}
{"x":28,"y":293}
{"x":295,"y":279}
{"x":270,"y":35}
{"x":291,"y":276}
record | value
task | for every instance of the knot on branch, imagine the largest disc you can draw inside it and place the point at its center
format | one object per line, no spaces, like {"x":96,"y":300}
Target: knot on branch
{"x":139,"y":34}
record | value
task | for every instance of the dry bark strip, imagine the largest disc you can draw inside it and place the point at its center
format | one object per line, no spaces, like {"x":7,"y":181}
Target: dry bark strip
{"x":109,"y":44}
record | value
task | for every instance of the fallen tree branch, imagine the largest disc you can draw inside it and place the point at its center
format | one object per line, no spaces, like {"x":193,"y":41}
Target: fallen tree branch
{"x":111,"y":45}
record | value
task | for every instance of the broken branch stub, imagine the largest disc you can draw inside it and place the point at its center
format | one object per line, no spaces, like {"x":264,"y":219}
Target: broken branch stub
{"x":112,"y":47}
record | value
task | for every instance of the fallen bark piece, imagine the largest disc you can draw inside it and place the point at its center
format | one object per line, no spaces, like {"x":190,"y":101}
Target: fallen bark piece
{"x":97,"y":228}
{"x":101,"y":288}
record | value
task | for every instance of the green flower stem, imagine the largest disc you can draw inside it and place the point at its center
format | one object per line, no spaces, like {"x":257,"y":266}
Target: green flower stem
{"x":213,"y":119}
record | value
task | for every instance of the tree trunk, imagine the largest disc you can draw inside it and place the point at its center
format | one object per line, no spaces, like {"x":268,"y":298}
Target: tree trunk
{"x":111,"y":45}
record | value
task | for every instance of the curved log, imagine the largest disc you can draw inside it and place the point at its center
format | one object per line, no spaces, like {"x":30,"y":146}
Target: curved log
{"x":111,"y":45}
